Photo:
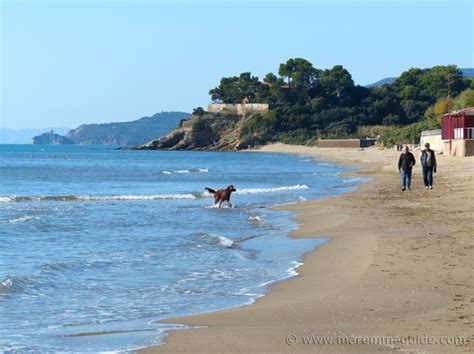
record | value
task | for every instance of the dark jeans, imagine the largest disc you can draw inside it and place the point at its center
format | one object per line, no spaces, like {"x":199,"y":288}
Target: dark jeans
{"x":427,"y":175}
{"x":406,"y":177}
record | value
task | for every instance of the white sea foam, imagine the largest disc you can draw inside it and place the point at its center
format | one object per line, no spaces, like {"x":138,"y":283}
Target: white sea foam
{"x":23,"y":218}
{"x":73,"y":198}
{"x":222,"y":240}
{"x":14,"y":284}
{"x":7,"y":283}
{"x":271,"y":190}
{"x":255,"y":218}
{"x":355,"y":179}
{"x":197,"y":169}
{"x":139,"y":197}
{"x":216,"y":206}
{"x":226,"y":242}
{"x":16,"y":198}
{"x":86,"y":198}
{"x":18,"y":219}
{"x":291,"y":272}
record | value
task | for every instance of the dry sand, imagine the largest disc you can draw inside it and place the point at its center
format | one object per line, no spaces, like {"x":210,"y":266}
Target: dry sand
{"x":399,"y":264}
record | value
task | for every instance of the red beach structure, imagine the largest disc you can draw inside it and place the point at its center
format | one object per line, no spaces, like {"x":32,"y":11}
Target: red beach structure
{"x":457,"y":132}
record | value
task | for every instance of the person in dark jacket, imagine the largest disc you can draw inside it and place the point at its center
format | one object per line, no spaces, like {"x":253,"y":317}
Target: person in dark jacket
{"x":405,"y":166}
{"x":428,"y":166}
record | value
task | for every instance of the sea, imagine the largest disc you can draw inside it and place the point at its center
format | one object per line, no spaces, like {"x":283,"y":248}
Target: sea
{"x":99,"y":244}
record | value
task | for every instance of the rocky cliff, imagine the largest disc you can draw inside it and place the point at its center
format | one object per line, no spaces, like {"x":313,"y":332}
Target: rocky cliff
{"x":211,"y":131}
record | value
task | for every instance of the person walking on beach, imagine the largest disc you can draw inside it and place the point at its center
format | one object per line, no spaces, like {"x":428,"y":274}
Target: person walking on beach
{"x":405,"y":166}
{"x":428,"y":166}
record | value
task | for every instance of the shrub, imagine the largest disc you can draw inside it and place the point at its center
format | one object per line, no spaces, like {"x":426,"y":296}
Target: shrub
{"x":199,"y":125}
{"x":408,"y":134}
{"x":199,"y":111}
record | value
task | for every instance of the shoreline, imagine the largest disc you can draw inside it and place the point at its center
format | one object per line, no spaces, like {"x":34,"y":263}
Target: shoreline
{"x":359,"y":282}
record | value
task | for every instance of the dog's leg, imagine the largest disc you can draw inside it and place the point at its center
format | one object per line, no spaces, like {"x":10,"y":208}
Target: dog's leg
{"x":220,"y":203}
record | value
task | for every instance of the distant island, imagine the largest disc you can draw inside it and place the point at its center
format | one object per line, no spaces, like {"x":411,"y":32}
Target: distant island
{"x":51,"y":138}
{"x":24,"y":136}
{"x":121,"y":133}
{"x":303,"y":104}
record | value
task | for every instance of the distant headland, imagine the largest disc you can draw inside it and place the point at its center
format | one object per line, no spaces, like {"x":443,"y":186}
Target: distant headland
{"x":121,"y":133}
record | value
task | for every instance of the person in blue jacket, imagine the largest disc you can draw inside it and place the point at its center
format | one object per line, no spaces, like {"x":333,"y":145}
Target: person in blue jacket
{"x":428,"y":166}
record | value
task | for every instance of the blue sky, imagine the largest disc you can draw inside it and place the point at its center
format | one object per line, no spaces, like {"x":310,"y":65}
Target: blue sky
{"x":70,"y":62}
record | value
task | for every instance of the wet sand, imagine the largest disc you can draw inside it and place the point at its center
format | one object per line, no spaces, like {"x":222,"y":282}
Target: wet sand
{"x":397,"y":272}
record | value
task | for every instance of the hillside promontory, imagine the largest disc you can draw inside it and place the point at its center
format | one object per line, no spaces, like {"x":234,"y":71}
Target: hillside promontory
{"x":209,"y":131}
{"x":306,"y":104}
{"x":51,"y":138}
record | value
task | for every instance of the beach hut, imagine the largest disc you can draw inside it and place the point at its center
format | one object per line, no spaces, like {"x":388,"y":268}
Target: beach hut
{"x":457,"y":132}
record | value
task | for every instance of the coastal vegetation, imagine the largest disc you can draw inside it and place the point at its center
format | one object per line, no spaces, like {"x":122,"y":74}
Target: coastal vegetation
{"x":431,"y":119}
{"x":307,"y":103}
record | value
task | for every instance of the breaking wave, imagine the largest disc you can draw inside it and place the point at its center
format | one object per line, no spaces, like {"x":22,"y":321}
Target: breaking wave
{"x":172,"y":172}
{"x":19,"y":219}
{"x":226,"y":242}
{"x":14,"y":284}
{"x":256,"y":220}
{"x":271,"y":190}
{"x":86,"y":198}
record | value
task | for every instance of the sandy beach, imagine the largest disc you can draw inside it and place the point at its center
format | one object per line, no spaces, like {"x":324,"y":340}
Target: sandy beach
{"x":396,"y":274}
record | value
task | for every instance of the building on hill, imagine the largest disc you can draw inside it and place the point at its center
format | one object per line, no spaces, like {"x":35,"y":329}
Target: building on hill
{"x":457,"y":132}
{"x":241,"y":109}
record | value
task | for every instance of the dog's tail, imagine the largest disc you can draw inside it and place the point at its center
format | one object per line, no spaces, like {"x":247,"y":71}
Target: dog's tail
{"x":210,"y":190}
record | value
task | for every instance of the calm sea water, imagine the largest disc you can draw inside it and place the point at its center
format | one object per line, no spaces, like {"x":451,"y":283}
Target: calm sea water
{"x":99,"y":240}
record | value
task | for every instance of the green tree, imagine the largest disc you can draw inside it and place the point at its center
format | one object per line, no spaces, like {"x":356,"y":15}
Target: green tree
{"x":301,"y":76}
{"x":234,"y":89}
{"x":199,"y":111}
{"x":306,"y":102}
{"x":464,"y":100}
{"x":270,"y":78}
{"x":336,"y":82}
{"x":417,"y":89}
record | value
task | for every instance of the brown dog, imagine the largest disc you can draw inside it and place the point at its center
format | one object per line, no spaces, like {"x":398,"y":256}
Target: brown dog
{"x":222,"y":195}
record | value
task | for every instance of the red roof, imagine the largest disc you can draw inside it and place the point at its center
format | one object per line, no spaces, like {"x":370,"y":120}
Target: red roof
{"x":269,"y":84}
{"x":469,"y":111}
